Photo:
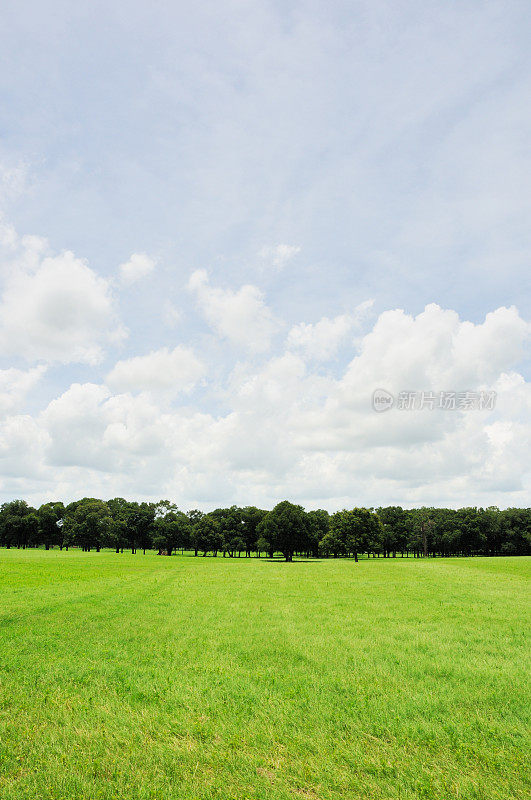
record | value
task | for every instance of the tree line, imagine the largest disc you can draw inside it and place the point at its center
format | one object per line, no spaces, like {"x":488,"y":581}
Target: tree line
{"x":287,"y":530}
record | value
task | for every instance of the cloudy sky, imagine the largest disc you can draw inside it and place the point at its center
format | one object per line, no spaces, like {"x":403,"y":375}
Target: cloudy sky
{"x":223,"y":225}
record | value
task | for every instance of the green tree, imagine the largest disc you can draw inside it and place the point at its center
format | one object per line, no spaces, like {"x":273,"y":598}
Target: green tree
{"x":318,"y":527}
{"x":286,"y":529}
{"x":394,"y":530}
{"x":356,"y":530}
{"x":171,"y":532}
{"x":88,"y":523}
{"x":19,"y":524}
{"x":420,"y":523}
{"x":516,"y":528}
{"x":206,"y":535}
{"x":50,"y":533}
{"x":252,"y":517}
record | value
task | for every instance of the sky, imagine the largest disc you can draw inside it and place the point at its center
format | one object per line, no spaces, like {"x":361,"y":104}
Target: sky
{"x":225,"y":225}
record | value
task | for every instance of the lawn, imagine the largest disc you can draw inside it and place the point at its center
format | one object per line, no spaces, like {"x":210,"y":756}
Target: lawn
{"x":136,"y":677}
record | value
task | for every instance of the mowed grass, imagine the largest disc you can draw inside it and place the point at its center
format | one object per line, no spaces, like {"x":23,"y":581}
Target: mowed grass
{"x":136,"y":677}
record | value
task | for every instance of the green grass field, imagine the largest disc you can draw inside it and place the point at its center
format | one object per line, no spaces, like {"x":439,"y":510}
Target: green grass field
{"x":131,"y":676}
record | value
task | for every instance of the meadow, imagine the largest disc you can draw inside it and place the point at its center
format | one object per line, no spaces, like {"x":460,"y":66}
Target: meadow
{"x":146,"y":677}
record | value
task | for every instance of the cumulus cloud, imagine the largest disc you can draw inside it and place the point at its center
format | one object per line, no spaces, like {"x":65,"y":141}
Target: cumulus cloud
{"x":60,"y":310}
{"x":283,"y":430}
{"x":88,"y":426}
{"x":22,"y":455}
{"x":139,"y":266}
{"x":241,"y":316}
{"x":321,"y":340}
{"x":168,"y":371}
{"x":435,"y":349}
{"x":279,"y":255}
{"x":15,"y":384}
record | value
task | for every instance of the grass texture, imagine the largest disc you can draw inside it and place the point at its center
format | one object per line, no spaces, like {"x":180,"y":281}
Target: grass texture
{"x":138,"y":677}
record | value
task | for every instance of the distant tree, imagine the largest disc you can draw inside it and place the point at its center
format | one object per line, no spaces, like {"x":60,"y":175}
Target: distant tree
{"x":194,"y":515}
{"x":318,"y":527}
{"x":263,"y":546}
{"x":252,"y":517}
{"x":88,"y":524}
{"x":134,"y":522}
{"x":516,"y":530}
{"x":333,"y":543}
{"x":119,"y":509}
{"x":420,"y":523}
{"x":207,"y":536}
{"x":491,"y":528}
{"x":140,"y":524}
{"x":19,"y":524}
{"x":353,"y":531}
{"x":467,"y":522}
{"x":286,"y":529}
{"x":92,"y":523}
{"x":446,"y":531}
{"x":393,"y":537}
{"x":171,"y":532}
{"x":231,"y":523}
{"x":50,"y":533}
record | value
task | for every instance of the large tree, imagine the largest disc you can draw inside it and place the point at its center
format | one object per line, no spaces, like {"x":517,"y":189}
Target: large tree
{"x":353,"y":531}
{"x":318,"y":527}
{"x":50,"y":532}
{"x":88,"y":523}
{"x":19,"y":524}
{"x":206,"y":535}
{"x":421,"y":522}
{"x":394,"y":530}
{"x":172,"y":532}
{"x":286,"y":529}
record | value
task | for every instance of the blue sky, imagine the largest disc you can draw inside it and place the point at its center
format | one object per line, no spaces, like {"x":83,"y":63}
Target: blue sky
{"x":286,"y":176}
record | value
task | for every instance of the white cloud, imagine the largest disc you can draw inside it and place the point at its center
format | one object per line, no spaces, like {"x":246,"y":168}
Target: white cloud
{"x":22,"y":454}
{"x":139,"y":266}
{"x":90,"y":427}
{"x":168,"y":371}
{"x":279,"y":255}
{"x":59,"y":310}
{"x":321,"y":340}
{"x":282,"y":430}
{"x":15,"y":384}
{"x":241,"y":317}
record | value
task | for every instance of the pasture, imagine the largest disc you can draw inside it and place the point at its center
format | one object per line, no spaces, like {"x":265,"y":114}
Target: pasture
{"x":138,"y":677}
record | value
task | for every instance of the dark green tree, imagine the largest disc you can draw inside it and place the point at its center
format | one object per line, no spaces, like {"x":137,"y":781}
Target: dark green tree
{"x":50,"y":533}
{"x":171,"y":532}
{"x":286,"y":529}
{"x":356,"y":530}
{"x":394,"y":530}
{"x":207,"y":536}
{"x":88,"y":524}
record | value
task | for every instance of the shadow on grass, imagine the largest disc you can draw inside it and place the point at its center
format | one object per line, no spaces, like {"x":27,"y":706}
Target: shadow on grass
{"x":295,"y":560}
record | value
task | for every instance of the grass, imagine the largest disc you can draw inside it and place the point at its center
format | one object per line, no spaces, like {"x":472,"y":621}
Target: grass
{"x":136,"y":677}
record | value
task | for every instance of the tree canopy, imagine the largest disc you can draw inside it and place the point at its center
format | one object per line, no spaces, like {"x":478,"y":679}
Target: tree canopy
{"x":286,"y":531}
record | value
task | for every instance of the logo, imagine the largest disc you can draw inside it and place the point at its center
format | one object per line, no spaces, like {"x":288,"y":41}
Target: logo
{"x":382,"y":400}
